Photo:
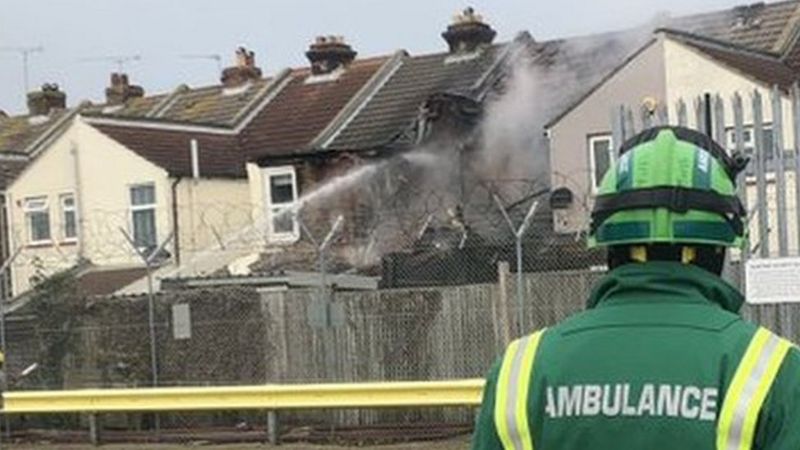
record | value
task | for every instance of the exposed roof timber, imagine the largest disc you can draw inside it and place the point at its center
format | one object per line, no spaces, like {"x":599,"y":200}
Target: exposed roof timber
{"x":493,"y":73}
{"x":359,"y":100}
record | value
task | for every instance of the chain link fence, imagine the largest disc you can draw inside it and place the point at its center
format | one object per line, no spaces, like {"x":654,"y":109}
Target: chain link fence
{"x":424,"y":284}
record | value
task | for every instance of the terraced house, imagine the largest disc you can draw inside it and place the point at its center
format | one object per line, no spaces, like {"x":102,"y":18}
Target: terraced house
{"x":413,"y":151}
{"x":101,"y":178}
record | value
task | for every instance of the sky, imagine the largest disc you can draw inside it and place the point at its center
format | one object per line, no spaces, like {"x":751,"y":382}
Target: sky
{"x":80,"y":37}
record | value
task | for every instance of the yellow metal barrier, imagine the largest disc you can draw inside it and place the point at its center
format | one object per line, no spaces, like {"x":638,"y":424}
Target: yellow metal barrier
{"x":269,"y":397}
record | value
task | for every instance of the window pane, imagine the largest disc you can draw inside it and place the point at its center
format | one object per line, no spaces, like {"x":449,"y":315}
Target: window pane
{"x":769,"y":152}
{"x":280,"y":188}
{"x":40,"y":226}
{"x":601,"y":149}
{"x":144,"y":228}
{"x":282,"y":221}
{"x":143,"y":195}
{"x":35,"y":204}
{"x":70,"y":228}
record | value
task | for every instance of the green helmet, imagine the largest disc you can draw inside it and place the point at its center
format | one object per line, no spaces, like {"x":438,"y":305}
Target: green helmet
{"x":670,"y":185}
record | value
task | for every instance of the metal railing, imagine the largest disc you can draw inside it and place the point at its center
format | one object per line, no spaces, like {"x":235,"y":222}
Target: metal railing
{"x":273,"y":398}
{"x":269,"y":397}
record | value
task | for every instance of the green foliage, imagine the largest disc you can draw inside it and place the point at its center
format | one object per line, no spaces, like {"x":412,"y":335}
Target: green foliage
{"x":58,"y":307}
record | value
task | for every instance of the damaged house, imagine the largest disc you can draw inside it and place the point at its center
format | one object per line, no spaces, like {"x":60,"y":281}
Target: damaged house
{"x":417,"y":159}
{"x":431,"y":161}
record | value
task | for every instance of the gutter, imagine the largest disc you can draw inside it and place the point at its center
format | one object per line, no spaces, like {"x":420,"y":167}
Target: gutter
{"x":175,"y":230}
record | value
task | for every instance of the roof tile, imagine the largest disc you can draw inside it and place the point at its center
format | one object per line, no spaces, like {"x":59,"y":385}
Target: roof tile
{"x":219,"y":155}
{"x":396,"y":105}
{"x":304,"y":108}
{"x":762,"y":33}
{"x":17,"y":133}
{"x":769,"y":70}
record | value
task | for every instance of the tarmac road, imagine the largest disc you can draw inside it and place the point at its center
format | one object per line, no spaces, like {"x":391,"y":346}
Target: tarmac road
{"x":454,"y":444}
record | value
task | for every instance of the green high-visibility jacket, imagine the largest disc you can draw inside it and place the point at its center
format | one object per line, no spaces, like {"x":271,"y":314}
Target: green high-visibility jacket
{"x":660,"y":360}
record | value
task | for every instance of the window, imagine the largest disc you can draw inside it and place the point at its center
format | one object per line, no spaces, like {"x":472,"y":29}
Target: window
{"x":749,"y":144}
{"x":281,"y":197}
{"x":143,"y":216}
{"x":37,"y":216}
{"x":600,"y":156}
{"x":69,"y":222}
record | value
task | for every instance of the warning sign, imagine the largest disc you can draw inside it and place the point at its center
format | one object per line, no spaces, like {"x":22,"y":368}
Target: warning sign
{"x":773,"y":280}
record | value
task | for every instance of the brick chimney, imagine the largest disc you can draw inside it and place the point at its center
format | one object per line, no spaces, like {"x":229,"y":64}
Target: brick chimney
{"x":468,"y":32}
{"x":329,"y":53}
{"x":45,"y":100}
{"x":244,"y":70}
{"x":121,"y":90}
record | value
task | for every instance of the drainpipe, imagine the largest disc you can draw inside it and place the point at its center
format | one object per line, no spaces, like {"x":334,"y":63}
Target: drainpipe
{"x":78,"y":199}
{"x":176,"y":235}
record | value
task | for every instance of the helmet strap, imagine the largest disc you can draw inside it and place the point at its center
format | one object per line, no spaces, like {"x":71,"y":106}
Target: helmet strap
{"x":688,"y":255}
{"x":711,"y":258}
{"x":639,"y":253}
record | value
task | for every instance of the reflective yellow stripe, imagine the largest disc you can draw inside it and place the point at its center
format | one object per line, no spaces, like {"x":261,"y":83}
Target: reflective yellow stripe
{"x":735,"y":389}
{"x":511,"y":398}
{"x":524,"y":383}
{"x":749,"y":387}
{"x":764,"y":385}
{"x":501,"y":396}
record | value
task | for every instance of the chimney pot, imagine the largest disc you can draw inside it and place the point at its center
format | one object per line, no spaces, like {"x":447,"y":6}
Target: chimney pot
{"x":45,"y":100}
{"x":468,"y":32}
{"x":121,"y":90}
{"x":243,"y":71}
{"x":329,"y":53}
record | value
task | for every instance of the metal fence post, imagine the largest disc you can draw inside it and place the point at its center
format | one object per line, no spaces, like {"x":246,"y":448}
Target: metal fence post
{"x":780,"y":181}
{"x":518,"y":233}
{"x":662,"y":114}
{"x":738,"y":133}
{"x":630,"y":127}
{"x":273,"y":428}
{"x":719,"y":120}
{"x":761,"y":177}
{"x":149,"y":260}
{"x":617,"y":126}
{"x":3,"y":270}
{"x":796,"y":126}
{"x":683,"y":117}
{"x":699,"y":114}
{"x":6,"y":431}
{"x":95,"y":434}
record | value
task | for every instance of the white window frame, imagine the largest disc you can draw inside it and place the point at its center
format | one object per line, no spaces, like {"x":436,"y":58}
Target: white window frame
{"x":148,"y":206}
{"x":29,"y":209}
{"x":68,"y":209}
{"x":591,"y":140}
{"x":269,"y":209}
{"x":730,"y":137}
